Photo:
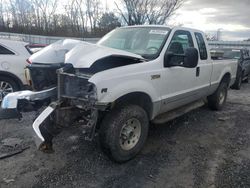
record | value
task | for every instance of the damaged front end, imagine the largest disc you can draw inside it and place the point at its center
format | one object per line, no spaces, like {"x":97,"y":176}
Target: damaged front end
{"x":71,"y":103}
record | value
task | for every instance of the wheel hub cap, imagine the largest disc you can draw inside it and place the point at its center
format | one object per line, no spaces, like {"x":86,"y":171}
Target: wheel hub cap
{"x":130,"y":134}
{"x":5,"y":88}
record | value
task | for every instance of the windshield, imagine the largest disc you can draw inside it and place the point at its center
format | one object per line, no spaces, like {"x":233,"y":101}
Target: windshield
{"x":144,"y":41}
{"x":231,"y":54}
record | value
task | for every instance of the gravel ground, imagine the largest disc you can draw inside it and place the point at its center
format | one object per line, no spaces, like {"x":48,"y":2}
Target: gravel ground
{"x":200,"y":149}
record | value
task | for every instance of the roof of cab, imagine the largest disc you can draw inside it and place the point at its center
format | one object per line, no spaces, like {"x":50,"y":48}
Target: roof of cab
{"x":164,"y":26}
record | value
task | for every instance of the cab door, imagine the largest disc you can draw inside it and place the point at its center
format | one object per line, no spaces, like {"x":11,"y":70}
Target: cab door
{"x":204,"y":68}
{"x":179,"y":84}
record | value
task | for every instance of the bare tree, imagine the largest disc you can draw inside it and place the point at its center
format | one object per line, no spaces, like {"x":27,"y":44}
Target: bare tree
{"x":46,"y":8}
{"x":138,"y":12}
{"x":2,"y":21}
{"x":80,"y":18}
{"x":93,"y":11}
{"x":108,"y":22}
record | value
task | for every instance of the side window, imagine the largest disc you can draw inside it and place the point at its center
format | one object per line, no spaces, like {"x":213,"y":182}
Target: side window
{"x":201,"y":45}
{"x":180,"y":42}
{"x":5,"y":51}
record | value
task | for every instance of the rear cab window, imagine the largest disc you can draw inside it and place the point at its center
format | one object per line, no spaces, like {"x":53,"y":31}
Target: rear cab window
{"x":5,"y":51}
{"x":201,"y":45}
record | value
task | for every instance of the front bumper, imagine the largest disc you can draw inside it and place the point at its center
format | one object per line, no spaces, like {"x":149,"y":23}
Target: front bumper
{"x":15,"y":103}
{"x":11,"y":100}
{"x":72,"y":102}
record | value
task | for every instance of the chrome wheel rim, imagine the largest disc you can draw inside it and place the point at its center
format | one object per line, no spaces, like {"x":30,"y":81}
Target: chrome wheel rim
{"x":222,"y":97}
{"x":5,"y":88}
{"x":130,"y":134}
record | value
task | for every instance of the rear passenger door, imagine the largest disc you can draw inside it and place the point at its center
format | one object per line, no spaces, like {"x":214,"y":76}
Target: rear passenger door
{"x":204,"y":68}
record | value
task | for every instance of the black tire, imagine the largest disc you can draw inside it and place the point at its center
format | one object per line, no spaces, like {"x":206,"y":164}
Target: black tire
{"x":15,"y":86}
{"x":246,"y":79}
{"x":215,"y":101}
{"x":111,"y":129}
{"x":237,"y":84}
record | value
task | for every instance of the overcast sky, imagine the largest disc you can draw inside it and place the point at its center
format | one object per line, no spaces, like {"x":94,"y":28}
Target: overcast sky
{"x":231,"y":16}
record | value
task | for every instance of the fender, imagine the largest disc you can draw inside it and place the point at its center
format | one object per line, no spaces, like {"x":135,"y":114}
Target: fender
{"x":228,"y":69}
{"x":10,"y":75}
{"x":113,"y":93}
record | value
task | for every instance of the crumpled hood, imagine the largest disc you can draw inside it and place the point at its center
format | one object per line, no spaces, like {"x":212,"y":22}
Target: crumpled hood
{"x":79,"y":53}
{"x":84,"y":55}
{"x":54,"y":53}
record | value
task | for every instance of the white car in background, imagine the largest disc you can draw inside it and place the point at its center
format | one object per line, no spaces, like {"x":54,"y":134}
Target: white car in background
{"x":13,"y":56}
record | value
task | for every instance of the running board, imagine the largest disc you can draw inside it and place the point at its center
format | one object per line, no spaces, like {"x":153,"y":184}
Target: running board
{"x":168,"y":116}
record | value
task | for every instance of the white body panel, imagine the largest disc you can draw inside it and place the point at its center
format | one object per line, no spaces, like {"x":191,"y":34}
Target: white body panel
{"x":79,"y":53}
{"x":92,"y":53}
{"x":55,"y":53}
{"x":15,"y":63}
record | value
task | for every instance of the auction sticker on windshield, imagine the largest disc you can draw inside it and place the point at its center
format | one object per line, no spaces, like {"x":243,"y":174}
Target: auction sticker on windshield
{"x":158,"y":32}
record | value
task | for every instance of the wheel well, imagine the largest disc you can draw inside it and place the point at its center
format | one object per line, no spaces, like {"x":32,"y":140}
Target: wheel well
{"x":226,"y":78}
{"x":13,"y":77}
{"x":137,"y":98}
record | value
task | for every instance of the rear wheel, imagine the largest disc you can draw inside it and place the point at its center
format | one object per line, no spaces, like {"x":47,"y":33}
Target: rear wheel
{"x":238,"y":82}
{"x":246,"y":79}
{"x":7,"y":85}
{"x":217,"y":100}
{"x":123,"y":132}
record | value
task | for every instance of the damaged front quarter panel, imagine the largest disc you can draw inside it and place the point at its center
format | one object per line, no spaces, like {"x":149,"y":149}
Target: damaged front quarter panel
{"x":75,"y":106}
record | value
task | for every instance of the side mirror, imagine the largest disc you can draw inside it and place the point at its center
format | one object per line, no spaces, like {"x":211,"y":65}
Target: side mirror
{"x":188,"y":60}
{"x":191,"y":58}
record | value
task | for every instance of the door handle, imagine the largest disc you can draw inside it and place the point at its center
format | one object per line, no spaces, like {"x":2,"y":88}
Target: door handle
{"x":197,"y":71}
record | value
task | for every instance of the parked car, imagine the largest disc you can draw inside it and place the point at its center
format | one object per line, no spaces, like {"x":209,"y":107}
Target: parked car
{"x":243,"y":57}
{"x":13,"y":60}
{"x":13,"y":56}
{"x":132,"y":76}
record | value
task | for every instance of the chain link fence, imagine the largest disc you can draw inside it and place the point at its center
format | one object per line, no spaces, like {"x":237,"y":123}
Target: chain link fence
{"x":37,"y":39}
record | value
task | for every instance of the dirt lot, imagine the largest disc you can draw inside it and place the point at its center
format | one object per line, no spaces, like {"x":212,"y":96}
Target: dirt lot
{"x":201,"y":149}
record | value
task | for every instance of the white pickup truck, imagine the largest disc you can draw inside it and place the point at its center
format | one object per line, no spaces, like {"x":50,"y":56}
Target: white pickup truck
{"x":132,"y":76}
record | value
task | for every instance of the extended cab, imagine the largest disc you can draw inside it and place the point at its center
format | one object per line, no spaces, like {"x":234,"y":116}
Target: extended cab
{"x":132,"y":76}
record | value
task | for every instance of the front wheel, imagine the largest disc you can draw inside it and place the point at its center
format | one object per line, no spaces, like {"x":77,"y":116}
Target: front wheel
{"x":123,"y":132}
{"x":217,"y":100}
{"x":7,"y":85}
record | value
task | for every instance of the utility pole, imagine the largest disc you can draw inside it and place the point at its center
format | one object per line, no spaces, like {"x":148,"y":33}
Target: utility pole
{"x":219,"y":34}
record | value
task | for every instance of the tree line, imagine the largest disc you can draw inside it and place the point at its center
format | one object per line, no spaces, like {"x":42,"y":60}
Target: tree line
{"x":81,"y":18}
